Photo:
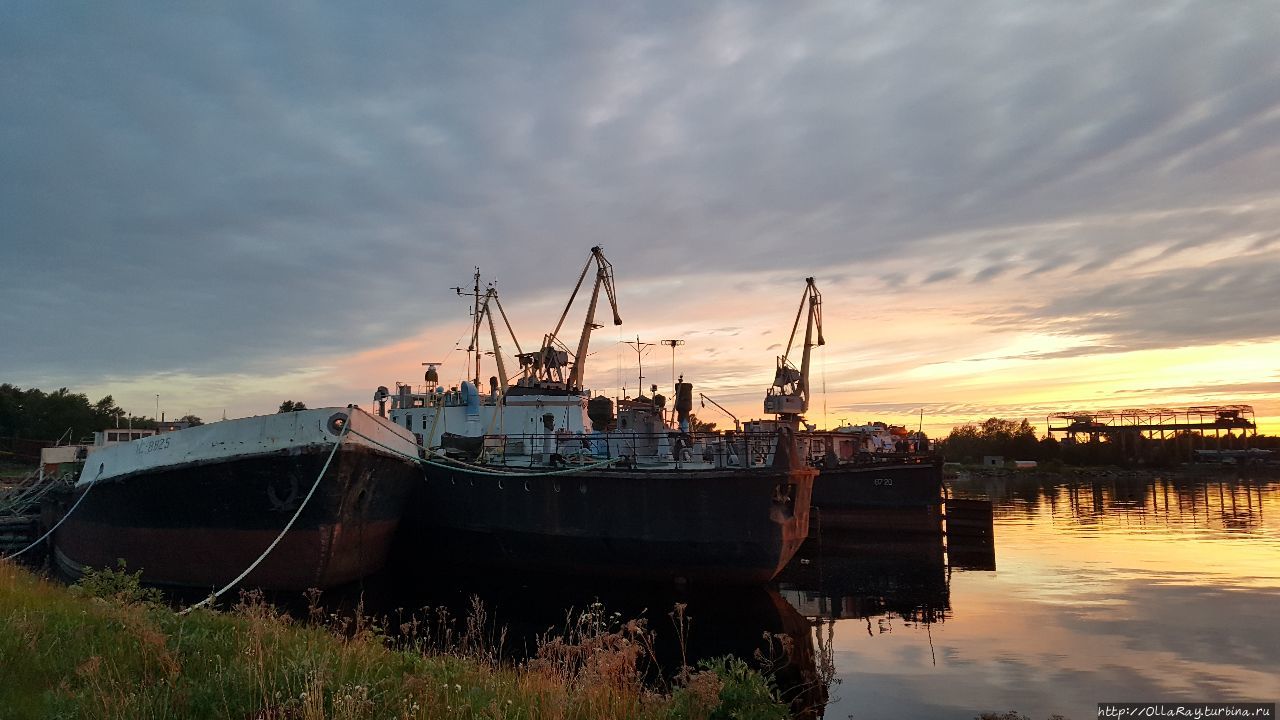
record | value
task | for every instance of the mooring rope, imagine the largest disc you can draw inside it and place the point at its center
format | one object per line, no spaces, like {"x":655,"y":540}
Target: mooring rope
{"x":62,"y":519}
{"x":450,"y":463}
{"x":457,"y":464}
{"x":346,"y":427}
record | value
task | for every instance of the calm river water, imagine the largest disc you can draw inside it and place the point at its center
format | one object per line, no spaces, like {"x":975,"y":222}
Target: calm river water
{"x":1119,"y":587}
{"x":1136,"y":588}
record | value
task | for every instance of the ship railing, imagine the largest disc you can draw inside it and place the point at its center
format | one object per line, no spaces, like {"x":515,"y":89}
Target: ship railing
{"x":423,"y":396}
{"x":824,"y":447}
{"x":744,"y":449}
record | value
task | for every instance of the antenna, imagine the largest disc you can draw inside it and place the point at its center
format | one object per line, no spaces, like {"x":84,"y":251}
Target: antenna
{"x":641,"y":348}
{"x":673,"y":344}
{"x":474,"y":345}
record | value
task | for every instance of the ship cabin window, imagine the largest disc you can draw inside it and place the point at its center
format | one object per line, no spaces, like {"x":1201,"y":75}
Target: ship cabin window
{"x":424,"y":421}
{"x":408,"y":421}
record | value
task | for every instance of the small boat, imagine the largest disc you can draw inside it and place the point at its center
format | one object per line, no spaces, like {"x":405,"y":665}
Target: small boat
{"x":196,"y":507}
{"x":858,"y":470}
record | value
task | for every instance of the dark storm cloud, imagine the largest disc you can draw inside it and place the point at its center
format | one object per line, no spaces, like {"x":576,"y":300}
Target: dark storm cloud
{"x":218,"y":189}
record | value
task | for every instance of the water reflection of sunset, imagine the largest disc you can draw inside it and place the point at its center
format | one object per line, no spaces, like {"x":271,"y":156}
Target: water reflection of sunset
{"x":1132,"y":588}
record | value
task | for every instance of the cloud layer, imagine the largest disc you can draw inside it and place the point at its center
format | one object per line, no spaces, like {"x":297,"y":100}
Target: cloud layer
{"x":245,"y":190}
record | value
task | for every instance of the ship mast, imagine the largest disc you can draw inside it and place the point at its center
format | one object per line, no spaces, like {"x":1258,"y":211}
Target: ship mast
{"x":474,"y":346}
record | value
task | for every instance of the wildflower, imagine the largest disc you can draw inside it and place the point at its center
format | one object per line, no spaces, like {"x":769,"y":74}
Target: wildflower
{"x":458,"y":688}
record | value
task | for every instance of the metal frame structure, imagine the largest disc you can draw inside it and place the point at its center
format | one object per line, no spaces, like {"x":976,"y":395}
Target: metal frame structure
{"x":1127,"y":427}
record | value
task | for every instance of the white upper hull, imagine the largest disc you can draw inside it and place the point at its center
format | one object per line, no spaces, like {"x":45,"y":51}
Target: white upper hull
{"x":244,"y":437}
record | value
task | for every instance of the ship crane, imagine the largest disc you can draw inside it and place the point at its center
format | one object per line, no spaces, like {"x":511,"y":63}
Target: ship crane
{"x":788,"y":397}
{"x":549,"y":364}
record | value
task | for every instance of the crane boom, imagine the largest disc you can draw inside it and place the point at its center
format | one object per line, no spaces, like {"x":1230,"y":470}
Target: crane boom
{"x":492,"y":295}
{"x":604,"y":277}
{"x":548,"y":364}
{"x":789,"y":394}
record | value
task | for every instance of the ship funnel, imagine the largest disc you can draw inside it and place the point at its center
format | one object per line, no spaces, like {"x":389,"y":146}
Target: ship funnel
{"x":684,"y":404}
{"x":600,"y":410}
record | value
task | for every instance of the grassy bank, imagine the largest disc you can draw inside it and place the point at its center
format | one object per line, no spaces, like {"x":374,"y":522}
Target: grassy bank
{"x":107,"y":650}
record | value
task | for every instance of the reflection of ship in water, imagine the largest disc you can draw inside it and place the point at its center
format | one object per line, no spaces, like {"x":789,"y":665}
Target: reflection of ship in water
{"x":753,"y":623}
{"x":842,"y":574}
{"x":854,"y":576}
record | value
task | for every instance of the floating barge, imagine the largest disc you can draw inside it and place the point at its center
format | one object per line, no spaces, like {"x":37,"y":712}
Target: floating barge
{"x":196,"y":507}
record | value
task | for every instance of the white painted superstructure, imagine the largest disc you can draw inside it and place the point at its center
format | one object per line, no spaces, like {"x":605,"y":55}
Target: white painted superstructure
{"x":430,"y":412}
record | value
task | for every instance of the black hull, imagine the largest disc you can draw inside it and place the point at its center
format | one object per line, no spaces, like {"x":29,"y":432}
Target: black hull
{"x":880,"y":484}
{"x":201,"y":525}
{"x":700,"y":526}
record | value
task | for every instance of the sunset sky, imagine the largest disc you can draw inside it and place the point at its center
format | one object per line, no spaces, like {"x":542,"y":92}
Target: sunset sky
{"x":1011,"y":208}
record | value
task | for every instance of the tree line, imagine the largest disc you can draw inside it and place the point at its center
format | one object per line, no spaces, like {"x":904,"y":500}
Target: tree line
{"x":995,"y":436}
{"x":1016,"y":440}
{"x":37,"y":415}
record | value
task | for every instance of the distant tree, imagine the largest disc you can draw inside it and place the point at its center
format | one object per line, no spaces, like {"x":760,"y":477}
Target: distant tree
{"x":1050,"y":449}
{"x":291,"y":406}
{"x":61,"y":414}
{"x":190,"y":420}
{"x":995,"y":436}
{"x":700,"y":426}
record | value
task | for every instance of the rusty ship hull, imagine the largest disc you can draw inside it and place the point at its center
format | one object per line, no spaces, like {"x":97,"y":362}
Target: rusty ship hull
{"x":196,"y":507}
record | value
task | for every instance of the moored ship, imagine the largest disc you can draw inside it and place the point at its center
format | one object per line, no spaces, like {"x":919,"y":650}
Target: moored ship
{"x":196,"y":507}
{"x":695,"y":522}
{"x":864,"y":473}
{"x":539,"y":475}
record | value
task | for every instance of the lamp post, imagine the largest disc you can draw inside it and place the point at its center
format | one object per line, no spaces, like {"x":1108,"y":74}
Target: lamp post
{"x":672,"y":344}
